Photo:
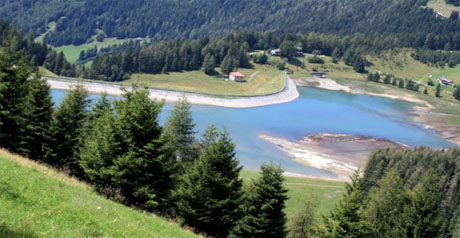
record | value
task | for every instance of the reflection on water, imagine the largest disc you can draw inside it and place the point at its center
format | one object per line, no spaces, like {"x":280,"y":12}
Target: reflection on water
{"x":316,"y":111}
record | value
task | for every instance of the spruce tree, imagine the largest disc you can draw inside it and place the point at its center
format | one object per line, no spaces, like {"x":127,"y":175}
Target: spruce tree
{"x":263,"y":206}
{"x":67,"y":129}
{"x":226,"y":65}
{"x":210,"y":193}
{"x":304,"y":222}
{"x":438,"y":90}
{"x":457,"y":93}
{"x":38,"y":113}
{"x":180,"y":132}
{"x":144,"y":167}
{"x":335,"y":55}
{"x":347,"y":219}
{"x":385,"y":207}
{"x":13,"y":93}
{"x":208,"y":64}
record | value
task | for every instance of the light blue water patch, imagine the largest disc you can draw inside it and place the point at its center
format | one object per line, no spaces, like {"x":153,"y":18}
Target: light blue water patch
{"x":316,"y":111}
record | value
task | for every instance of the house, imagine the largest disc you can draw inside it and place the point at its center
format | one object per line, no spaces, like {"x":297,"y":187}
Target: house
{"x":275,"y":52}
{"x":319,"y":75}
{"x":237,"y":77}
{"x":298,"y":52}
{"x":443,"y":80}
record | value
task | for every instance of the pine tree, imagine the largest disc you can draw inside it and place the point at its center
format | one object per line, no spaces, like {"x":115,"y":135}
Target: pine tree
{"x":335,"y":55}
{"x":438,"y":90}
{"x":66,"y":128}
{"x":347,"y":219}
{"x":387,"y":79}
{"x":304,"y":223}
{"x":208,"y":64}
{"x":209,"y":193}
{"x":144,"y":168}
{"x":13,"y":93}
{"x":209,"y":136}
{"x":180,"y":132}
{"x":226,"y":65}
{"x":425,"y":91}
{"x":385,"y":207}
{"x":359,"y":65}
{"x":263,"y":206}
{"x":457,"y":93}
{"x":38,"y":113}
{"x":423,"y":211}
{"x":400,"y":83}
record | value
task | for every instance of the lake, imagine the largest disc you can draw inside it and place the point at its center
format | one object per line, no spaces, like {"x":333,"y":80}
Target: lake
{"x":315,"y":111}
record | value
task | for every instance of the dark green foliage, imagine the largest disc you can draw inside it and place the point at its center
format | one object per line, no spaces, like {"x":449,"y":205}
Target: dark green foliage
{"x":359,"y":64}
{"x":180,"y":132}
{"x":13,"y":98}
{"x":208,"y":64}
{"x":260,"y":58}
{"x":263,"y":206}
{"x":315,"y":60}
{"x":400,"y":83}
{"x":38,"y":54}
{"x":209,"y":193}
{"x":38,"y":113}
{"x":457,"y":93}
{"x":438,"y":90}
{"x":425,"y":91}
{"x":304,"y":223}
{"x":433,"y":179}
{"x":288,"y":49}
{"x":347,"y":218}
{"x":430,"y":82}
{"x":438,"y":57}
{"x":67,"y":129}
{"x":387,"y":79}
{"x":335,"y":55}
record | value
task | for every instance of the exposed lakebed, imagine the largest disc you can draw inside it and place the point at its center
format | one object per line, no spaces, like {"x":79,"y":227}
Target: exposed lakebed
{"x":315,"y":111}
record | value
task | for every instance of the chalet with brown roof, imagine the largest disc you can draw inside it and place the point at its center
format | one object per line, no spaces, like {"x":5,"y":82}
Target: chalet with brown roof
{"x":237,"y":77}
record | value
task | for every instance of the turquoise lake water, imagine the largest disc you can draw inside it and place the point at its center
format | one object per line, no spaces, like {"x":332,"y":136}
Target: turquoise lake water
{"x":316,"y":111}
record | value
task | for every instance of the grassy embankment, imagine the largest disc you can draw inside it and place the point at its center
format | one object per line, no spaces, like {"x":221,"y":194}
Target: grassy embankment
{"x":36,"y":201}
{"x":442,"y":7}
{"x":323,"y":194}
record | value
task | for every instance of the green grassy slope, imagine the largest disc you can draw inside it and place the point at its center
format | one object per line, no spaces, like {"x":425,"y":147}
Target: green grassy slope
{"x":323,"y":194}
{"x":36,"y":201}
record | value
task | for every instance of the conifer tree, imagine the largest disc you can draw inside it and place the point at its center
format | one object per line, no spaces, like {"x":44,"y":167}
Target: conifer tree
{"x":208,"y":64}
{"x":209,"y":136}
{"x":227,"y":64}
{"x":457,"y":93}
{"x":385,"y":207}
{"x":401,"y":83}
{"x":335,"y":55}
{"x":13,"y":93}
{"x":180,"y":132}
{"x":38,"y":113}
{"x":347,"y":219}
{"x":67,"y":129}
{"x":209,"y":193}
{"x":438,"y":90}
{"x":304,"y":223}
{"x":263,"y":206}
{"x":144,"y":167}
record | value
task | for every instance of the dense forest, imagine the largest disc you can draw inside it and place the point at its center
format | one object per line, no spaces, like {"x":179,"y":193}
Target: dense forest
{"x":39,"y":54}
{"x":78,"y":20}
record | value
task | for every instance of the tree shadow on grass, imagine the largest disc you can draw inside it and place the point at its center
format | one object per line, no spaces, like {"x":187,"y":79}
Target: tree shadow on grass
{"x":6,"y":232}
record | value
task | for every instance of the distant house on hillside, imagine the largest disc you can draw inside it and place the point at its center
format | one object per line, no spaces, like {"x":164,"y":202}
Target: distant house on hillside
{"x":299,"y":52}
{"x":275,"y":52}
{"x":443,"y":80}
{"x":237,"y":77}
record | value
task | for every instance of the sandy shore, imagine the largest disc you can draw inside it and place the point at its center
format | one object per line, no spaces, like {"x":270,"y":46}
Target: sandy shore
{"x":338,"y":153}
{"x":289,"y":93}
{"x":424,"y":113}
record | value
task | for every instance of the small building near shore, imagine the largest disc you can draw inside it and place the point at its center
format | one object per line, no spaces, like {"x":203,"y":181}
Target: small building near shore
{"x":237,"y":77}
{"x":443,"y":80}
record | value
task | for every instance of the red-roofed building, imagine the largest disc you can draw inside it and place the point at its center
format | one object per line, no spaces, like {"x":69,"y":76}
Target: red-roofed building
{"x":237,"y":77}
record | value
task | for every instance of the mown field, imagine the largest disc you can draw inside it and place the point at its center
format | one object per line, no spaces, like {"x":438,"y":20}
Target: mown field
{"x":262,"y":79}
{"x":323,"y":194}
{"x":36,"y":201}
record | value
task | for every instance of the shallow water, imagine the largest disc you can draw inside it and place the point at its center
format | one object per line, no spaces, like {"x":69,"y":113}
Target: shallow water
{"x":316,"y":111}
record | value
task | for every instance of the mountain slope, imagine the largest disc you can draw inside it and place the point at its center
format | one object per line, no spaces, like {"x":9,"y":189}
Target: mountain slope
{"x":36,"y":201}
{"x":78,"y":20}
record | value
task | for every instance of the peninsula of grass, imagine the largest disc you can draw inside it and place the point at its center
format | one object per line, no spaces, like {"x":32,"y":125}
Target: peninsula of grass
{"x":261,"y":80}
{"x":36,"y":201}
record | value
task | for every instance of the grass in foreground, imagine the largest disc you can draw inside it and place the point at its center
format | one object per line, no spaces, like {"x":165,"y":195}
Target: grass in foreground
{"x":323,"y":194}
{"x":261,"y":80}
{"x":36,"y":201}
